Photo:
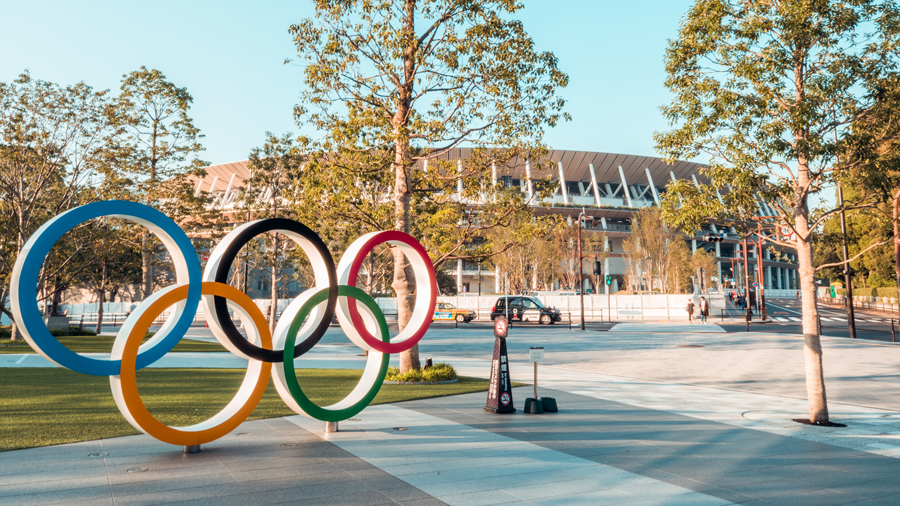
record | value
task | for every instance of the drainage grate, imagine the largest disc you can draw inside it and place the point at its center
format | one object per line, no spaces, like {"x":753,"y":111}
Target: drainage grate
{"x":289,"y":444}
{"x":689,"y":346}
{"x":137,"y":470}
{"x":102,"y":454}
{"x":399,"y":428}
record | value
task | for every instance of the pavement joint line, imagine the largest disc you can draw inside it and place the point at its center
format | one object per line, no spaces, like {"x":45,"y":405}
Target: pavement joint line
{"x":715,"y":410}
{"x":669,"y":382}
{"x":364,"y":438}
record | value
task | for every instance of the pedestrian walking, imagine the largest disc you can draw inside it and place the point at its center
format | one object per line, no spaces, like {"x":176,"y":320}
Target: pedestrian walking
{"x":690,"y":310}
{"x":704,"y":310}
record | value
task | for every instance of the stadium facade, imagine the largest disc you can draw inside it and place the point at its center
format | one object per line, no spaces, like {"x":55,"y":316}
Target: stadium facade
{"x":609,"y":187}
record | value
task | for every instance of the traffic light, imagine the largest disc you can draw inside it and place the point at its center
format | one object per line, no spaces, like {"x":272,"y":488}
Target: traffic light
{"x":713,"y":238}
{"x":608,"y":279}
{"x":598,"y":268}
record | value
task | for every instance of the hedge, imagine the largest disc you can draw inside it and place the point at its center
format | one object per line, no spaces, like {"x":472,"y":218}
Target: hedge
{"x":871,"y":292}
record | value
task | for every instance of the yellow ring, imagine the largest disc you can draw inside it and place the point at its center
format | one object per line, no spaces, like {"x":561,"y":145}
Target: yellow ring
{"x":125,"y":390}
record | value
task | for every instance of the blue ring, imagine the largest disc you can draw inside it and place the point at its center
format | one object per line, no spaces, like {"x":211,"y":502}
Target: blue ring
{"x":31,"y":258}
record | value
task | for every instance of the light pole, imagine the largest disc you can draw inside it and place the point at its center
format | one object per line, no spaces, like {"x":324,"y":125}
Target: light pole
{"x":761,"y":276}
{"x":897,"y":250}
{"x":851,"y":321}
{"x":746,"y":280}
{"x":581,"y":216}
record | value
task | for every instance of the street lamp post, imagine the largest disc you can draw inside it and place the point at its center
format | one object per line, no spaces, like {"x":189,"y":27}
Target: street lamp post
{"x":761,"y":277}
{"x":897,"y":250}
{"x":581,"y":216}
{"x":746,"y":280}
{"x":851,"y":321}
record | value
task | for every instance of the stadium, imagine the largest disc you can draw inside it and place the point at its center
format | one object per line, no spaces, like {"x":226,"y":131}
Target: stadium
{"x":609,"y":187}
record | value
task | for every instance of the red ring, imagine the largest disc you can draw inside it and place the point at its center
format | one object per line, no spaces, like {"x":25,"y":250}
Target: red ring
{"x":353,"y":273}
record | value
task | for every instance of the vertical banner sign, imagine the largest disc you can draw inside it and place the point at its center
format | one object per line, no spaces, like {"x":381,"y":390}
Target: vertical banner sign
{"x":499,"y":399}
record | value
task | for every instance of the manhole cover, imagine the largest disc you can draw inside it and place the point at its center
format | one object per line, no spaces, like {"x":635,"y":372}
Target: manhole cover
{"x":399,"y":428}
{"x":137,"y":470}
{"x":289,"y":444}
{"x":244,"y":434}
{"x":102,"y":454}
{"x":689,"y":346}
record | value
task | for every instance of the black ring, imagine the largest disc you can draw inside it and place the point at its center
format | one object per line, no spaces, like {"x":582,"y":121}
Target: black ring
{"x":231,"y":332}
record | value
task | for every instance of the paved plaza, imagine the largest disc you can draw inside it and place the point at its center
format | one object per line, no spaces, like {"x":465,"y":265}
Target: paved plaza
{"x":650,"y":414}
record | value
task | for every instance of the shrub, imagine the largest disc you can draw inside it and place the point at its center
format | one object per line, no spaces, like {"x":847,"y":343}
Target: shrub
{"x":888,"y":292}
{"x":437,"y":372}
{"x":6,"y":332}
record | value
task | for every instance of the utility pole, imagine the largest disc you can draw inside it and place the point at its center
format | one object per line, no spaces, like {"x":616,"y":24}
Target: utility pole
{"x":897,"y":251}
{"x":851,"y":321}
{"x":761,"y":277}
{"x":580,"y":270}
{"x":746,"y":279}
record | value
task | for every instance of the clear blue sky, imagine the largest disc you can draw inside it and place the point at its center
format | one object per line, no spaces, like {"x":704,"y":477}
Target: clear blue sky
{"x":230,"y":54}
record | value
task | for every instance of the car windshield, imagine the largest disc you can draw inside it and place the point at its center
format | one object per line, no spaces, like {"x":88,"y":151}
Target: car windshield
{"x":532,"y":303}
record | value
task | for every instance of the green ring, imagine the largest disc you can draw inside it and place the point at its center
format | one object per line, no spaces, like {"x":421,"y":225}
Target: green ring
{"x":308,"y":406}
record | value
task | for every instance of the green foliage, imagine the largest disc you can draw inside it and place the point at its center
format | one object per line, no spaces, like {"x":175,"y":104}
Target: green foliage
{"x":55,"y":142}
{"x":786,"y":98}
{"x":885,"y":291}
{"x":438,"y":372}
{"x":73,"y":331}
{"x":394,"y":86}
{"x":446,"y":282}
{"x":869,"y":241}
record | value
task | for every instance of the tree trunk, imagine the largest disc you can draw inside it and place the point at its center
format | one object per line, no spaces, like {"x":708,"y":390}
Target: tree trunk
{"x":403,"y":283}
{"x":273,"y":292}
{"x":146,"y":267}
{"x":101,"y":298}
{"x":812,"y":349}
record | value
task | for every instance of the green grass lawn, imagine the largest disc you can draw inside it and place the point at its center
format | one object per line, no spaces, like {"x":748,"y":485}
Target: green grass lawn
{"x":100,"y":344}
{"x":44,"y":406}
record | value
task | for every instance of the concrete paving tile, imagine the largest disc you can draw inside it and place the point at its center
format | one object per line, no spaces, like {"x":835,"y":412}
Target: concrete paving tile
{"x":557,"y":489}
{"x":121,"y":476}
{"x":873,"y":489}
{"x":484,"y":498}
{"x":822,"y":497}
{"x":831,"y":479}
{"x":424,"y":502}
{"x":85,"y":494}
{"x":651,"y":491}
{"x":27,"y":472}
{"x":455,"y":487}
{"x":596,"y":498}
{"x":190,"y":494}
{"x":693,"y":499}
{"x":170,"y":485}
{"x":54,"y":486}
{"x":302,"y":472}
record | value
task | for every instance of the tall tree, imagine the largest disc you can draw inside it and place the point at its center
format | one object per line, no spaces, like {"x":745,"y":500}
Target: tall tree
{"x":392,"y":83}
{"x":160,"y":153}
{"x":772,"y":92}
{"x":269,"y":194}
{"x":54,"y":141}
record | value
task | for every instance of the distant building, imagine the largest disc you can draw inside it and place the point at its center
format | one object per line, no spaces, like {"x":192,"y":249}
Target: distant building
{"x":611,"y":188}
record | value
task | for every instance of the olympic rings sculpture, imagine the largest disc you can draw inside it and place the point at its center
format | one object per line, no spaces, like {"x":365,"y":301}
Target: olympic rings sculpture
{"x":302,"y":325}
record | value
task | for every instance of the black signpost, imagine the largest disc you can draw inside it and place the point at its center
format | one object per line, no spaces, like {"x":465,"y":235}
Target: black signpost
{"x":499,"y":398}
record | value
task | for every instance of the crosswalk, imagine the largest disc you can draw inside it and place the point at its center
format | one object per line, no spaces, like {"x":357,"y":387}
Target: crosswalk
{"x":828,"y":319}
{"x":797,"y":319}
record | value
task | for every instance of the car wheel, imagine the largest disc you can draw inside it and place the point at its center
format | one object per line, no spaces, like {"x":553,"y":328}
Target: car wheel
{"x":545,"y":319}
{"x":460,"y":318}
